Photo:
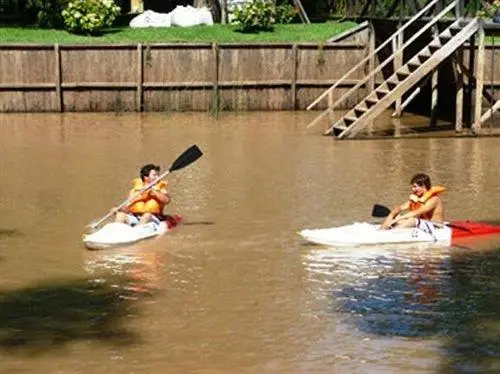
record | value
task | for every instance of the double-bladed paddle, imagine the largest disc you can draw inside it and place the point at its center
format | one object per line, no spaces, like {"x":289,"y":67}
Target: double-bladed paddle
{"x":189,"y":156}
{"x":381,"y":211}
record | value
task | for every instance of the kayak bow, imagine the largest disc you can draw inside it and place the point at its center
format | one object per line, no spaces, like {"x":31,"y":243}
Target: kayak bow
{"x":117,"y":234}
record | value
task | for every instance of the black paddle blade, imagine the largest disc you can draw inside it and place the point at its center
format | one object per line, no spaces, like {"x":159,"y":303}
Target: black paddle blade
{"x":189,"y":156}
{"x":380,"y":211}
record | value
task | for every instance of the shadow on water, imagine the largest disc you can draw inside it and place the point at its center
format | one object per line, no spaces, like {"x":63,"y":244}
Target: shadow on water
{"x":10,"y":233}
{"x":47,"y":316}
{"x":455,"y":299}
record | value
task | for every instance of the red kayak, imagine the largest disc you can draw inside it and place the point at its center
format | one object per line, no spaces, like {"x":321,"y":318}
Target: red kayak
{"x":465,"y":229}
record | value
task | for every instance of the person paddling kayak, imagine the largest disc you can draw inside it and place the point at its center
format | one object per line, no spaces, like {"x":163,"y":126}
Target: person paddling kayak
{"x":150,"y":204}
{"x":424,"y":204}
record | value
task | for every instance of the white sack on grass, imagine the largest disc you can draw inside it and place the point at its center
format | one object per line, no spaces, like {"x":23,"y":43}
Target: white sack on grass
{"x":186,"y":16}
{"x":151,"y":19}
{"x":181,"y":16}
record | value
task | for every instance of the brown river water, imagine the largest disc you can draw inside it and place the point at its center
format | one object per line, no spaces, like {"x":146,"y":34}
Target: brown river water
{"x":234,"y":289}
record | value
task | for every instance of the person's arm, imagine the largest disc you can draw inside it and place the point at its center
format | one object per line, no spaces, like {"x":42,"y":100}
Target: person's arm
{"x":161,"y":195}
{"x":429,"y":206}
{"x":391,"y":218}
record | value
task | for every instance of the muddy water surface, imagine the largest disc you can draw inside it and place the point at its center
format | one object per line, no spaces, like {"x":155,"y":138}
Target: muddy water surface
{"x":235,"y":289}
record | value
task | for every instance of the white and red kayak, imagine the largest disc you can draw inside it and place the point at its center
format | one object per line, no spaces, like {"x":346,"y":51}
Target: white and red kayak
{"x":116,"y":234}
{"x":363,"y":233}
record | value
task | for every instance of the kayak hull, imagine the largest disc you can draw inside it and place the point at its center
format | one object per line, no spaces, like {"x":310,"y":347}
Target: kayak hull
{"x":363,"y":233}
{"x":117,"y":234}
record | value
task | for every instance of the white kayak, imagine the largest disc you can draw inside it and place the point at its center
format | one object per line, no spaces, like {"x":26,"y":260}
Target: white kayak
{"x":363,"y":233}
{"x":116,"y":234}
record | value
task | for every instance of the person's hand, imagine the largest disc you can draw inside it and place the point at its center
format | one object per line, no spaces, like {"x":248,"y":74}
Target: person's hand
{"x":114,"y":210}
{"x":388,"y":224}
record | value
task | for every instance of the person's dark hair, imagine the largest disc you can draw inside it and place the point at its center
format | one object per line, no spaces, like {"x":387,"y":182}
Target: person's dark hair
{"x":146,"y":169}
{"x":422,"y":180}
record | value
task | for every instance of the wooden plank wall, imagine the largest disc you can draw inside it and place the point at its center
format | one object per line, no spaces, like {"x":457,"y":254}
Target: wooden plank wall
{"x":172,"y":77}
{"x":181,"y":77}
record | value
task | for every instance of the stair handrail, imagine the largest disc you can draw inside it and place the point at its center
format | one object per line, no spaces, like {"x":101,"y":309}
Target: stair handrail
{"x":387,"y":60}
{"x":362,"y":62}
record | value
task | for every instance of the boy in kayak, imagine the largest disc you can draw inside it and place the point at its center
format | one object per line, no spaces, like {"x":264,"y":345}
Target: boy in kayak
{"x":149,"y":205}
{"x":424,"y":204}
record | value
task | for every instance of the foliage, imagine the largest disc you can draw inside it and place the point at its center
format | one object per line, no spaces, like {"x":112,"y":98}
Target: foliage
{"x":489,"y":9}
{"x":285,"y":13}
{"x":89,"y":16}
{"x":256,"y":15}
{"x":46,"y":13}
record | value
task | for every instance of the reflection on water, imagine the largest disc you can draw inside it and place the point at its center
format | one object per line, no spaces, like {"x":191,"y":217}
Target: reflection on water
{"x":235,"y":290}
{"x":424,"y":293}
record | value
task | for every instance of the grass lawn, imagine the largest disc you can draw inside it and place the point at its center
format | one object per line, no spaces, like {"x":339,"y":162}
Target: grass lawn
{"x":318,"y":32}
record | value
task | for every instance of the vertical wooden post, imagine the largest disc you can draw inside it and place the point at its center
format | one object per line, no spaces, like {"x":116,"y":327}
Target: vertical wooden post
{"x":398,"y":62}
{"x":57,"y":74}
{"x":470,"y":83}
{"x":294,"y":75}
{"x":476,"y":127}
{"x":459,"y":103}
{"x":371,"y":61}
{"x":398,"y":59}
{"x":434,"y":86}
{"x":215,"y":90}
{"x":139,"y":80}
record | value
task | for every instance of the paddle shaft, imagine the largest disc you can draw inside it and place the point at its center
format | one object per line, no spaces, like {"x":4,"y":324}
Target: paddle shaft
{"x":187,"y":157}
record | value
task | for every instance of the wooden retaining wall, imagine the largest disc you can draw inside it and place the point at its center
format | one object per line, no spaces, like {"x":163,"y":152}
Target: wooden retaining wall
{"x":172,"y":77}
{"x":183,"y":77}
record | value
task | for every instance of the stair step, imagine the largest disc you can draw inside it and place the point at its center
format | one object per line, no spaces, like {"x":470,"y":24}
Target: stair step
{"x":337,"y":132}
{"x":370,"y":102}
{"x":422,"y":57}
{"x":445,"y":37}
{"x":392,"y":82}
{"x":454,"y":29}
{"x":359,"y":111}
{"x":401,"y":76}
{"x":380,"y":93}
{"x":413,"y":64}
{"x":434,"y":45}
{"x":340,"y":126}
{"x":348,"y":120}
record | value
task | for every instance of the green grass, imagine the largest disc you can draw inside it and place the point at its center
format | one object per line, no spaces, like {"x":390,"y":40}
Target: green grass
{"x":319,"y":32}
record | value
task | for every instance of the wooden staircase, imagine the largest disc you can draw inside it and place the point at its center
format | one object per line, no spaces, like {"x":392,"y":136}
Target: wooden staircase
{"x":441,"y":47}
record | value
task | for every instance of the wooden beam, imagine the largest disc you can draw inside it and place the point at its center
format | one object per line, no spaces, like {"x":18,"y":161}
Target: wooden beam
{"x":294,"y":75}
{"x":371,"y":61}
{"x":398,"y":62}
{"x":140,"y":78}
{"x":476,"y":127}
{"x":470,"y":84}
{"x":58,"y":80}
{"x":459,"y":101}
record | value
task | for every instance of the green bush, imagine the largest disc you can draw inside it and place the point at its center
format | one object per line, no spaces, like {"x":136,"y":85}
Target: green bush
{"x":89,"y":16}
{"x":285,"y":13}
{"x":256,"y":15}
{"x":46,"y":13}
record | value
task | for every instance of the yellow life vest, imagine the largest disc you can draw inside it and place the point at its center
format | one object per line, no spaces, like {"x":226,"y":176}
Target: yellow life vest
{"x":416,"y":202}
{"x":146,"y":203}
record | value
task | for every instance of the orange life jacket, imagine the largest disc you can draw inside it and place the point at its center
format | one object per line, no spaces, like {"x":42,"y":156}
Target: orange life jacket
{"x":146,"y":203}
{"x":416,"y":202}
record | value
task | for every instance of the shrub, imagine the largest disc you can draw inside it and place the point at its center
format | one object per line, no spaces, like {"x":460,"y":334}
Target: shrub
{"x":89,"y":16}
{"x":256,"y":15}
{"x":46,"y":13}
{"x":285,"y":13}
